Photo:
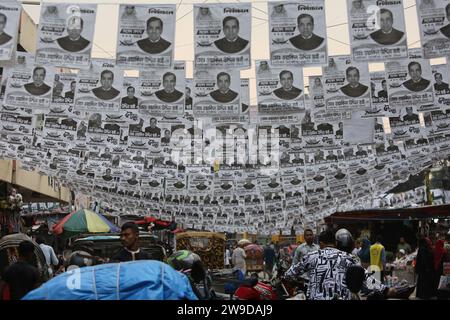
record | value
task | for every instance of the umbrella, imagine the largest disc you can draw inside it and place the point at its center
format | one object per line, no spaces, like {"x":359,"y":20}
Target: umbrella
{"x":84,"y":221}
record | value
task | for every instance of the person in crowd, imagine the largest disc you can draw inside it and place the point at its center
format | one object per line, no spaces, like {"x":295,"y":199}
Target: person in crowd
{"x":50,"y":256}
{"x":364,"y":253}
{"x":227,"y":257}
{"x":403,"y":245}
{"x":306,"y":247}
{"x":22,"y":276}
{"x":238,"y":259}
{"x":425,"y":270}
{"x":131,"y":251}
{"x":441,"y":256}
{"x":326,"y":269}
{"x":269,"y":260}
{"x":378,"y":256}
{"x":357,"y":247}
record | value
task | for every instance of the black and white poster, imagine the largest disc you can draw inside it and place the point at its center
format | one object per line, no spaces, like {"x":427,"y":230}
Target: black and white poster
{"x":406,"y":125}
{"x":298,"y":34}
{"x":101,"y":133}
{"x":65,"y":34}
{"x":346,"y":84}
{"x":217,"y":92}
{"x":441,"y":80}
{"x":162,"y":91}
{"x":130,"y":98}
{"x":60,"y":129}
{"x":279,"y":90}
{"x":379,"y":106}
{"x":188,"y":94}
{"x":63,"y":94}
{"x":434,"y":26}
{"x":222,"y":35}
{"x":98,"y":90}
{"x":9,"y":28}
{"x":30,"y":86}
{"x":146,"y":36}
{"x":409,"y":81}
{"x":377,"y":29}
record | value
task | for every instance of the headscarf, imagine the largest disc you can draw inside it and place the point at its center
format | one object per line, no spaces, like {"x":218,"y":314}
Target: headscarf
{"x":364,"y":253}
{"x":439,"y":252}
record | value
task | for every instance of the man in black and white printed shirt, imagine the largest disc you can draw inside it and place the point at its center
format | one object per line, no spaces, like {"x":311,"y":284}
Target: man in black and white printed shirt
{"x":326,"y":269}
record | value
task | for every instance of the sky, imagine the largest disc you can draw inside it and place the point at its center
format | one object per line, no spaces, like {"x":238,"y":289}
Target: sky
{"x":336,"y":18}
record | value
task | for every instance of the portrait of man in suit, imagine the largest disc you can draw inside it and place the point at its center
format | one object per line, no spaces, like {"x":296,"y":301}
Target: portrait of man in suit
{"x":445,"y":30}
{"x":153,"y":129}
{"x":106,"y":91}
{"x":4,"y":37}
{"x":410,"y":116}
{"x":360,"y":151}
{"x":383,"y":94}
{"x":231,"y":43}
{"x":107,"y":176}
{"x":187,"y":99}
{"x":416,"y":83}
{"x":287,"y":91}
{"x":133,"y":181}
{"x":154,"y":43}
{"x":440,"y":87}
{"x":306,"y":40}
{"x":169,"y":94}
{"x":74,"y":41}
{"x":38,"y":87}
{"x":339,"y":174}
{"x":387,"y":34}
{"x":69,"y":95}
{"x":354,"y":88}
{"x":130,"y":101}
{"x":223,"y":94}
{"x":392,"y":146}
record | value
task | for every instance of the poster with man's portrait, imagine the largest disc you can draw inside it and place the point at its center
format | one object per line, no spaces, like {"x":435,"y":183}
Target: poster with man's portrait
{"x":130,"y":98}
{"x":279,"y":89}
{"x":65,"y":34}
{"x":98,"y":90}
{"x":298,"y":34}
{"x":222,"y":35}
{"x":441,"y":81}
{"x":377,"y":30}
{"x":379,"y":106}
{"x":162,"y":91}
{"x":434,"y":26}
{"x":406,"y":124}
{"x":60,"y":129}
{"x":63,"y":94}
{"x":346,"y":84}
{"x":146,"y":36}
{"x":30,"y":86}
{"x":9,"y":27}
{"x":217,"y":92}
{"x":410,"y":81}
{"x":100,"y":132}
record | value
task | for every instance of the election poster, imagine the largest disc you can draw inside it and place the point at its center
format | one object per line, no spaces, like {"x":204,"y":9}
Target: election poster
{"x":217,"y":92}
{"x":63,"y":94}
{"x":146,"y":36}
{"x":9,"y":28}
{"x":434,"y":26}
{"x":162,"y":91}
{"x":98,"y":90}
{"x":377,"y":30}
{"x":222,"y":35}
{"x":188,"y":94}
{"x":346,"y":84}
{"x":409,"y":81}
{"x":441,"y":80}
{"x":379,"y":106}
{"x":65,"y":34}
{"x":60,"y":129}
{"x":298,"y":34}
{"x":100,"y":133}
{"x":279,"y":89}
{"x":30,"y":86}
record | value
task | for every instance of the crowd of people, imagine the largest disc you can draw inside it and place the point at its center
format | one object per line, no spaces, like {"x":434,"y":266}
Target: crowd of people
{"x":323,"y":260}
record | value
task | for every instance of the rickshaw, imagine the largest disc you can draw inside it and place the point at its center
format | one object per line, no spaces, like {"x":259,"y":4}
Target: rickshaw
{"x":255,"y":258}
{"x":9,"y":246}
{"x":210,"y":246}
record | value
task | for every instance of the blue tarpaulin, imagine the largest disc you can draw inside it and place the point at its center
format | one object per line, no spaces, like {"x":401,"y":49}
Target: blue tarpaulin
{"x":137,"y":280}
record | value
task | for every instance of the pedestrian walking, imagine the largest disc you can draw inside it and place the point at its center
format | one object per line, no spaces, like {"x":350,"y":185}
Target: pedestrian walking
{"x":50,"y":256}
{"x":269,"y":260}
{"x":425,"y":270}
{"x":306,"y":247}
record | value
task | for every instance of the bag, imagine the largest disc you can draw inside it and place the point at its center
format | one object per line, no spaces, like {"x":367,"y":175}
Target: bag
{"x":444,"y":283}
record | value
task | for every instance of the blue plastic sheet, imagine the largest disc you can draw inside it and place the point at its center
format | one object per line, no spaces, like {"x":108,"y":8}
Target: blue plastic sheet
{"x":137,"y":280}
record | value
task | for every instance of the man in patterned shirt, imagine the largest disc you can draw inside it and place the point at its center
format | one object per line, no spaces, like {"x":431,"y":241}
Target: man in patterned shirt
{"x":327,"y":267}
